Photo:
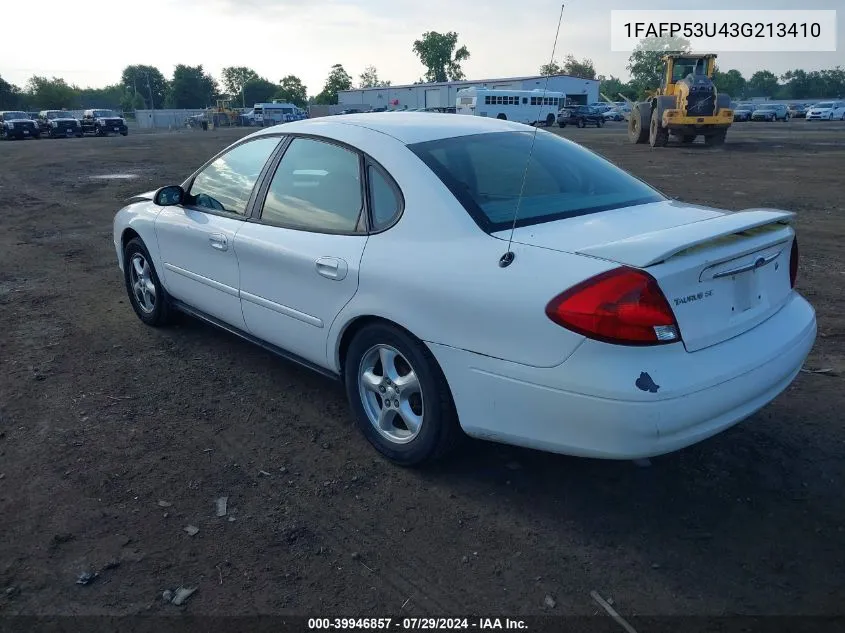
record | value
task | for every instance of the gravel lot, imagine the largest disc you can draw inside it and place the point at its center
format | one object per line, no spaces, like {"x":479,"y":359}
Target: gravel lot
{"x":114,"y":437}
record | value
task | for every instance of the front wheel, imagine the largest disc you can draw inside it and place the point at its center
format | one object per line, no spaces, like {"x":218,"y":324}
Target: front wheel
{"x":399,"y":395}
{"x":148,"y":297}
{"x":561,"y":124}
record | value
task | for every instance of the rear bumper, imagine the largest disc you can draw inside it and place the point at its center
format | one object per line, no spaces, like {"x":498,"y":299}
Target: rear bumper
{"x":590,"y":406}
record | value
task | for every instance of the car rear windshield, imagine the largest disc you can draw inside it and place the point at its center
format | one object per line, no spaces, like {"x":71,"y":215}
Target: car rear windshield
{"x":104,"y":113}
{"x":15,"y":115}
{"x":491,"y":177}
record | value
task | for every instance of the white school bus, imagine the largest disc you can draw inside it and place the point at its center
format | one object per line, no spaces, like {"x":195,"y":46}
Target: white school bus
{"x":523,"y":106}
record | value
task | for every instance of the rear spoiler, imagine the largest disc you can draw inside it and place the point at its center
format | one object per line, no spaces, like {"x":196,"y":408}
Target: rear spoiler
{"x":652,"y":248}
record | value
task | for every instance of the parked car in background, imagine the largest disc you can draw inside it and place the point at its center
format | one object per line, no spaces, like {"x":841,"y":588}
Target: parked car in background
{"x":103,"y":123}
{"x":59,"y":123}
{"x":621,"y":325}
{"x":17,"y":124}
{"x":581,"y":116}
{"x":770,"y":112}
{"x":827,"y":110}
{"x":614,"y":114}
{"x":742,"y":112}
{"x":798,"y":110}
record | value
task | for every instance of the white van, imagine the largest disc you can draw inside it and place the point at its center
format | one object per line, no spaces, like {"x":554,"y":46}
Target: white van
{"x":523,"y":106}
{"x":276,"y":112}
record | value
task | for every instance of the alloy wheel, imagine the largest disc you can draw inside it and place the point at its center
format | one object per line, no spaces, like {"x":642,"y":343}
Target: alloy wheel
{"x":143,"y":287}
{"x":391,"y":394}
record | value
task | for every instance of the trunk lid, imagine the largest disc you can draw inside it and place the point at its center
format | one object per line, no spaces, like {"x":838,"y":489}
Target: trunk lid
{"x":722,"y":272}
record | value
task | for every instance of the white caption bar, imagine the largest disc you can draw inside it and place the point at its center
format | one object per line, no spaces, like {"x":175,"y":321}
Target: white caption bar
{"x":724,"y":31}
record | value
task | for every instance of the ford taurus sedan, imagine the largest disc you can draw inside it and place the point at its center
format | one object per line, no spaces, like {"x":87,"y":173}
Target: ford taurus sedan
{"x":464,"y":275}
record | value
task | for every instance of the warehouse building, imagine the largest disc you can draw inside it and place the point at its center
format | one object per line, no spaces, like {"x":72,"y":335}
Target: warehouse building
{"x":438,"y":95}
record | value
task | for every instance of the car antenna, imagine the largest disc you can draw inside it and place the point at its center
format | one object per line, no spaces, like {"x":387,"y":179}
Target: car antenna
{"x":507,"y":259}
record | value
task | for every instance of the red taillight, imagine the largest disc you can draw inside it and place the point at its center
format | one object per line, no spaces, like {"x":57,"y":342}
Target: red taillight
{"x":623,"y":306}
{"x":793,"y":263}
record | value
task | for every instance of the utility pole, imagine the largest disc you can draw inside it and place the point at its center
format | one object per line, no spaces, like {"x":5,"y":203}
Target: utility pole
{"x":152,"y":104}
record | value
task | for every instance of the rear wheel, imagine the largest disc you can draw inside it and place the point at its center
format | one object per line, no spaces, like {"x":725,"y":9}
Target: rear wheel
{"x":561,"y":124}
{"x":399,"y":395}
{"x":502,"y":116}
{"x":658,"y":136}
{"x":550,"y":120}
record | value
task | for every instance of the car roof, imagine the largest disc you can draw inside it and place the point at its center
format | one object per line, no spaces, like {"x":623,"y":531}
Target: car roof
{"x":406,"y":127}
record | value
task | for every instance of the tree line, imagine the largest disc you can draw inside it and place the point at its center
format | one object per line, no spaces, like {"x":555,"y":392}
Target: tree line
{"x":646,"y":68}
{"x":190,"y":87}
{"x":145,"y":87}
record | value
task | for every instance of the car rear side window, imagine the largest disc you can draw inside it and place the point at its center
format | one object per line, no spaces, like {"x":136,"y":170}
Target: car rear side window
{"x":485,"y":172}
{"x":317,"y":187}
{"x":226,"y":184}
{"x":385,"y":203}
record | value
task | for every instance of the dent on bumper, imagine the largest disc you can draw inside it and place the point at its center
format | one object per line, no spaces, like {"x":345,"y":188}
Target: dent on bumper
{"x":589,"y":406}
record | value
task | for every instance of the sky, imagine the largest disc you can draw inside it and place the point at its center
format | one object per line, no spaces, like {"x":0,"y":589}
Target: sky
{"x":305,"y":37}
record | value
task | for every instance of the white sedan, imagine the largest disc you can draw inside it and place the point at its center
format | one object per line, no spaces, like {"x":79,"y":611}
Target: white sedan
{"x":827,"y":110}
{"x":566,"y":306}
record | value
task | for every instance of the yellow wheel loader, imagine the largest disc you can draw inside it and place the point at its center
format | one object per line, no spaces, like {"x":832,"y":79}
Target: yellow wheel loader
{"x":685,"y":106}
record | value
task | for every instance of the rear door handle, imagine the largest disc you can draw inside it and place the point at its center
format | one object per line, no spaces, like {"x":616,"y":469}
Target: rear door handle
{"x":218,"y":241}
{"x":331,"y":268}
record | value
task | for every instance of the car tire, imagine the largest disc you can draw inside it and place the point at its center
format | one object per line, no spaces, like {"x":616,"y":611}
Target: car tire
{"x":124,"y":133}
{"x":138,"y":269}
{"x":429,"y":403}
{"x":561,"y":124}
{"x":550,"y":120}
{"x":501,"y":116}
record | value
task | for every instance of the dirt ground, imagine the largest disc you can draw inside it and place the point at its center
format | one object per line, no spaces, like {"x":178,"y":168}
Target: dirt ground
{"x":114,"y":437}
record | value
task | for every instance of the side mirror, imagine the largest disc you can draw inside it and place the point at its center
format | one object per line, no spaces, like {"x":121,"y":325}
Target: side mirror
{"x":169,"y":196}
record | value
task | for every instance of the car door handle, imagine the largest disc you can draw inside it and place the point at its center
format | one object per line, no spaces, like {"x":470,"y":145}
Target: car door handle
{"x":331,"y":268}
{"x":218,"y":241}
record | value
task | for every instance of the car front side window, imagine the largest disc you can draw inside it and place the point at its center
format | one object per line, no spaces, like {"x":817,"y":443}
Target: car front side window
{"x":227,"y":183}
{"x":317,"y":187}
